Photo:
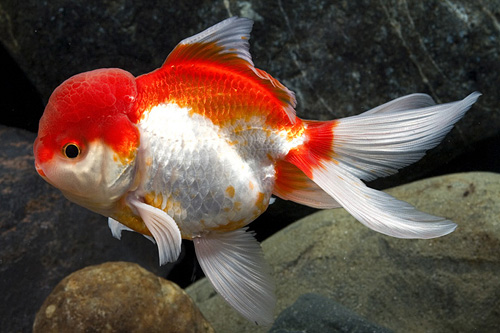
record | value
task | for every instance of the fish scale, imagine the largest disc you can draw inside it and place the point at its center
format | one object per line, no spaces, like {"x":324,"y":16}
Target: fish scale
{"x":174,"y":169}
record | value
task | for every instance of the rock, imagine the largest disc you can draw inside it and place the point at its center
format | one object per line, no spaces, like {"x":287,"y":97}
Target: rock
{"x":316,"y":313}
{"x":44,"y":237}
{"x":447,"y":284}
{"x":118,"y":297}
{"x":319,"y":49}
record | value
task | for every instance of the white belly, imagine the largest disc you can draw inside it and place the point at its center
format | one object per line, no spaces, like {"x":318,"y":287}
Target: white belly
{"x":206,"y":177}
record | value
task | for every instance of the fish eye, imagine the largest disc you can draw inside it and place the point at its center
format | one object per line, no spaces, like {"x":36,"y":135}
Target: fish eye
{"x":71,"y":150}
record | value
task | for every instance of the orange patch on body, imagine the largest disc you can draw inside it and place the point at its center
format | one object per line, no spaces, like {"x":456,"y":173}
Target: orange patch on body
{"x":157,"y":200}
{"x":231,"y":225}
{"x":173,"y":206}
{"x":124,"y":158}
{"x":261,"y":203}
{"x":238,"y":128}
{"x":150,"y":199}
{"x":230,"y":191}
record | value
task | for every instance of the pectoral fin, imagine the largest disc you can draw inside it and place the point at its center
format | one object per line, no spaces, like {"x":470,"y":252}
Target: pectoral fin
{"x":163,"y":228}
{"x":235,"y":265}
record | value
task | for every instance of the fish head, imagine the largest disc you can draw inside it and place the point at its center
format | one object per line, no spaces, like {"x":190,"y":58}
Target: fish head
{"x":88,"y":140}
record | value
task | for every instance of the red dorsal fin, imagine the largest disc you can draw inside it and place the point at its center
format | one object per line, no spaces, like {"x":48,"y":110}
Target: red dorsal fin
{"x":226,"y":44}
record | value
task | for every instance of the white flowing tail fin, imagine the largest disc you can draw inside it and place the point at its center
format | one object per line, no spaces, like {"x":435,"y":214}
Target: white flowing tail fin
{"x":381,"y":141}
{"x":337,"y":154}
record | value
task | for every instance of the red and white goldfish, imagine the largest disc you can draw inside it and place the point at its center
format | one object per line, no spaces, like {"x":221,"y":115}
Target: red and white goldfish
{"x":196,"y":148}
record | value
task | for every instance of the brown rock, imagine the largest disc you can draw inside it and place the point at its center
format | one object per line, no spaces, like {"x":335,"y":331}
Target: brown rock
{"x":118,"y":297}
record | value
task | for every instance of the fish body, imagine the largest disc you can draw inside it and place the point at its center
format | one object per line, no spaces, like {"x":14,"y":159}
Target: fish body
{"x":195,"y":150}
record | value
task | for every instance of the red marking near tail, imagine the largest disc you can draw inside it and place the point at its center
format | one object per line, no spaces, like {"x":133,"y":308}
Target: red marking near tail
{"x":317,"y":147}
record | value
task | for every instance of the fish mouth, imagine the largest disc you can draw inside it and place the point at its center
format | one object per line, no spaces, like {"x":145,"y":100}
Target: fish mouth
{"x":37,"y":167}
{"x":40,"y":171}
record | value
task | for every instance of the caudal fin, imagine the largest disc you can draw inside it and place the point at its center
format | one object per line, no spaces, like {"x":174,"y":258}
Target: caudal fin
{"x":339,"y":154}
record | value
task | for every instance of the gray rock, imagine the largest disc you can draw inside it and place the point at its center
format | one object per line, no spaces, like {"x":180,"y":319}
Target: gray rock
{"x":447,"y":284}
{"x":44,"y":237}
{"x":118,"y":297}
{"x":316,"y":313}
{"x":339,"y":57}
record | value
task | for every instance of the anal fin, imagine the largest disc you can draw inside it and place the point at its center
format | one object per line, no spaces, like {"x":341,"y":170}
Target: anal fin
{"x":234,"y":263}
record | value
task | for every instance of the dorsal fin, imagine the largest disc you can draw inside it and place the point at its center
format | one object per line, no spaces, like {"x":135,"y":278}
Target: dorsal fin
{"x":231,"y":38}
{"x":226,"y":44}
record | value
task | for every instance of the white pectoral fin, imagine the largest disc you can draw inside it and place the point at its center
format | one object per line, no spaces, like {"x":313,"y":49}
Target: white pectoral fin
{"x":165,"y":231}
{"x":234,"y":263}
{"x":378,"y":210}
{"x":117,"y":228}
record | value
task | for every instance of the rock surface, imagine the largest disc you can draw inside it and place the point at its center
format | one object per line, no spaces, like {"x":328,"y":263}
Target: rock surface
{"x":316,"y":313}
{"x":118,"y":297}
{"x":340,"y":57}
{"x":447,"y":284}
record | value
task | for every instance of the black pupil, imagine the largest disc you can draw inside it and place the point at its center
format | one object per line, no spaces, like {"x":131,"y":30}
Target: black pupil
{"x":71,"y":151}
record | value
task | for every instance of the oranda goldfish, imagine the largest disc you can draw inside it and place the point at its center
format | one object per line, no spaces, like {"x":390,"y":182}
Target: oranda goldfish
{"x":195,"y":150}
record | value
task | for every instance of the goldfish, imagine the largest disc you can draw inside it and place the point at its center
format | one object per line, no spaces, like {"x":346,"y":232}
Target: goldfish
{"x":198,"y":148}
